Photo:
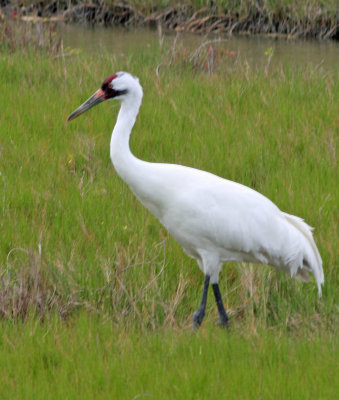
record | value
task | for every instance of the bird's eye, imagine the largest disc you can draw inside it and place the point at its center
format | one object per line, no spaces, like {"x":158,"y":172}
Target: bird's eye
{"x":110,"y":86}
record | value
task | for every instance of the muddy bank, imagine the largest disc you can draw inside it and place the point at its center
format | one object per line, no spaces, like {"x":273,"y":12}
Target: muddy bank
{"x":251,"y":18}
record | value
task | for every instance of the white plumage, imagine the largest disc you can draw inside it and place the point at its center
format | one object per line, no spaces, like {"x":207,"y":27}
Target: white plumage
{"x":215,"y":220}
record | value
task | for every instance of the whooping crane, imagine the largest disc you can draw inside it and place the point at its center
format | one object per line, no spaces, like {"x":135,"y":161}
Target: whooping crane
{"x":215,"y":220}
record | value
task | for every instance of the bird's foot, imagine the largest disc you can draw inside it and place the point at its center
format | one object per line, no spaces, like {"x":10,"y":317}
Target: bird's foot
{"x":223,"y":323}
{"x":198,"y":316}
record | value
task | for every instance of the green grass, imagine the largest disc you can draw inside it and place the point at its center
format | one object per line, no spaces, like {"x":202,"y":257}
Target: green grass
{"x":96,"y":298}
{"x":89,"y":359}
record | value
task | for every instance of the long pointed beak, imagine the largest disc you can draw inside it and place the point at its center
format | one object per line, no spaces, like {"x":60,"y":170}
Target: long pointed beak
{"x":98,"y":97}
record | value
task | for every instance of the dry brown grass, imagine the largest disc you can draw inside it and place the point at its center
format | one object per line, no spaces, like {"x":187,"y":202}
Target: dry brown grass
{"x":28,"y":285}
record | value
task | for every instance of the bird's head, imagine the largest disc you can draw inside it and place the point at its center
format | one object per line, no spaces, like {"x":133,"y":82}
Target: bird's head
{"x":119,"y":86}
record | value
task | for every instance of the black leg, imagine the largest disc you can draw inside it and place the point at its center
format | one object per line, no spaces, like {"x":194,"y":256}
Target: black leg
{"x":223,"y":317}
{"x":198,"y":316}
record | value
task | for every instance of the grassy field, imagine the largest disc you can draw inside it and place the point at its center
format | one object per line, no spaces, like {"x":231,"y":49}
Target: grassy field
{"x":90,"y":359}
{"x":96,"y":299}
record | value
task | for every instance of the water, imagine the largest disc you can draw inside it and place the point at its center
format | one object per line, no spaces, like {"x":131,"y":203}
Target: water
{"x":255,"y":50}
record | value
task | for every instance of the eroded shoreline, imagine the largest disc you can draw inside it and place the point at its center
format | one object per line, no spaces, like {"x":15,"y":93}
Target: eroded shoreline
{"x":287,"y":21}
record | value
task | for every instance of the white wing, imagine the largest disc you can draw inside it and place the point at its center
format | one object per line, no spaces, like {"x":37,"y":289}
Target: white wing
{"x":207,"y":213}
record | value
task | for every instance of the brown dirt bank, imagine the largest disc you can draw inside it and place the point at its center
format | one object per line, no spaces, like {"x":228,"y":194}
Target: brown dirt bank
{"x":251,"y":17}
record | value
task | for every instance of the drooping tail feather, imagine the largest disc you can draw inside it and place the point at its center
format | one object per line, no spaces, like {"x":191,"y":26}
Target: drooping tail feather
{"x":312,"y":258}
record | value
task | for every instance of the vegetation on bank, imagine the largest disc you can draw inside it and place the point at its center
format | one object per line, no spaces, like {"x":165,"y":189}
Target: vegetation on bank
{"x":293,"y":19}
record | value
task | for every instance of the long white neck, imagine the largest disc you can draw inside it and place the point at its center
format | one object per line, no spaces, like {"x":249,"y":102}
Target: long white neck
{"x":138,"y":174}
{"x":121,"y":156}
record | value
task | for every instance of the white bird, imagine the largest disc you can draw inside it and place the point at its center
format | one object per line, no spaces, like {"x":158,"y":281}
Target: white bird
{"x":213,"y":219}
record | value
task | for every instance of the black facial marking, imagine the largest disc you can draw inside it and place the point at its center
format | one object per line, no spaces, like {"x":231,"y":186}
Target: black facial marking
{"x":110,"y":93}
{"x":105,"y":85}
{"x":108,"y":81}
